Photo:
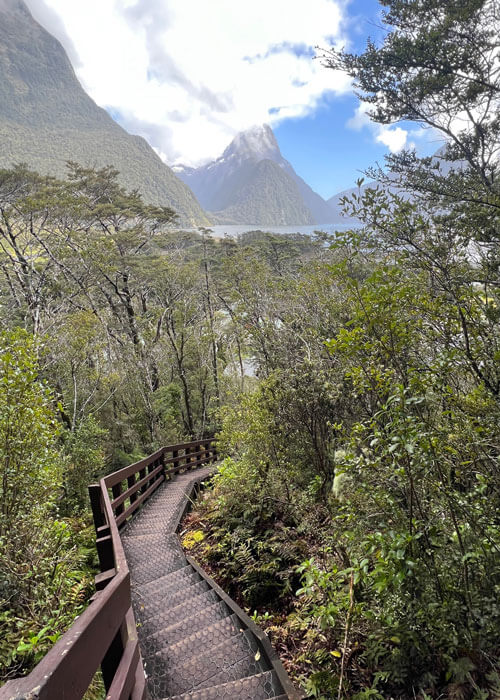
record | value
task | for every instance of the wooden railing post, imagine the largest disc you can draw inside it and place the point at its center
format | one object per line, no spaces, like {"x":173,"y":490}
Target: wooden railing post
{"x":131,"y":482}
{"x":111,"y":660}
{"x":104,"y":547}
{"x":117,"y":491}
{"x":96,"y":505}
{"x":142,"y":474}
{"x":152,"y":467}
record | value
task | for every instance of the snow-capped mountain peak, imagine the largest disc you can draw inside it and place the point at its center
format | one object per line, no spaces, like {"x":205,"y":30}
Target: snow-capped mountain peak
{"x":256,"y":143}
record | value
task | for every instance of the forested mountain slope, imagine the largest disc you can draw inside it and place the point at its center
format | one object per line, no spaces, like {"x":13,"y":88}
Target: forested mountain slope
{"x":266,"y":195}
{"x":46,"y":118}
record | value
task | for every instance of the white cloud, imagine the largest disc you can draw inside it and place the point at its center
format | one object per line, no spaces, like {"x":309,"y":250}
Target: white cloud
{"x":394,"y":137}
{"x":189,"y":74}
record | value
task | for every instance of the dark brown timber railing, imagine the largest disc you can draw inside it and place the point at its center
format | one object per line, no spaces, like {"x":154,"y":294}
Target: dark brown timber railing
{"x":104,"y":636}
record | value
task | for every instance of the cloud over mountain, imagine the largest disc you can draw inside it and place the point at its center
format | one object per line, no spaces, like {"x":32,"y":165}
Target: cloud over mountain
{"x":158,"y":73}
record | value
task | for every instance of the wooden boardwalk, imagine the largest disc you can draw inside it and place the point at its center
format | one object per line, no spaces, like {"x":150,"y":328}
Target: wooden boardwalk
{"x":157,"y":627}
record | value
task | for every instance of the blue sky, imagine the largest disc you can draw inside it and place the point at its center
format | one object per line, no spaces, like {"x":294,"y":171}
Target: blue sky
{"x":329,"y":155}
{"x":323,"y":149}
{"x":188,"y":75}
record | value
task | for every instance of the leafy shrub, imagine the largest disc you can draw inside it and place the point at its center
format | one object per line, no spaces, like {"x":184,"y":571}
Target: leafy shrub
{"x":44,"y":577}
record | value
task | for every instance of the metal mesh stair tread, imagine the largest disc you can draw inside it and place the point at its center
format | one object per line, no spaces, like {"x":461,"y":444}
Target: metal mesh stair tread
{"x":181,"y":577}
{"x":161,"y":508}
{"x":199,"y":641}
{"x":186,"y":609}
{"x":147,"y":557}
{"x":158,"y":602}
{"x":228,"y":660}
{"x":173,"y":633}
{"x":151,"y":539}
{"x":259,"y":687}
{"x":145,"y":574}
{"x":193,"y":646}
{"x":162,"y":529}
{"x":151,"y":552}
{"x":155,"y":525}
{"x":155,"y":517}
{"x":135,"y":537}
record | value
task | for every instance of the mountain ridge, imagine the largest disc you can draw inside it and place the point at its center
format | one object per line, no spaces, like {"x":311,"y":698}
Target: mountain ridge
{"x":219,"y":183}
{"x":47,"y":118}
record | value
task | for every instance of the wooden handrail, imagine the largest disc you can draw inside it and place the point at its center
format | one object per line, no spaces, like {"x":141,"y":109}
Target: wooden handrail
{"x":104,"y":635}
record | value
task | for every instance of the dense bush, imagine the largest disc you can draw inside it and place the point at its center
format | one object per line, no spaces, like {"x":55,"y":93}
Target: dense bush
{"x":44,"y":573}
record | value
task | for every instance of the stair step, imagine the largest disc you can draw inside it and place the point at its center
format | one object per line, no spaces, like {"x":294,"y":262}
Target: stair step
{"x":229,"y":660}
{"x":259,"y":687}
{"x":200,"y":641}
{"x":156,"y":516}
{"x":157,"y":603}
{"x":154,"y":519}
{"x":159,"y":511}
{"x":135,"y":539}
{"x":162,"y":530}
{"x":180,"y":630}
{"x":166,"y":618}
{"x":241,"y":669}
{"x":157,"y":569}
{"x":148,"y":552}
{"x":181,"y":577}
{"x":149,"y":539}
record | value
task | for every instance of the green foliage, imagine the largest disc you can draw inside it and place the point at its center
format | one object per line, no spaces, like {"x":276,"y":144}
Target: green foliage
{"x":84,"y":459}
{"x":30,"y":462}
{"x":43,"y":583}
{"x":397,"y":501}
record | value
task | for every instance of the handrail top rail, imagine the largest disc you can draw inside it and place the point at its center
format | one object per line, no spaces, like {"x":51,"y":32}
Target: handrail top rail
{"x":49,"y":667}
{"x":121,"y":474}
{"x":118,"y":552}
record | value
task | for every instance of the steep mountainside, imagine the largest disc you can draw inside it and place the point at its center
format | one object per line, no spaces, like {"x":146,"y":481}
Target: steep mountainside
{"x":220,"y":185}
{"x":265,"y":196}
{"x":46,"y":118}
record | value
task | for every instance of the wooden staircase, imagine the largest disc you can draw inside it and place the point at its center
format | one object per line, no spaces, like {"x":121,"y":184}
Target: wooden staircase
{"x":158,"y":626}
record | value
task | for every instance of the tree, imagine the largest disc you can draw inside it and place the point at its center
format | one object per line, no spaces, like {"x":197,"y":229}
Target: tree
{"x":29,"y":459}
{"x":439,"y":66}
